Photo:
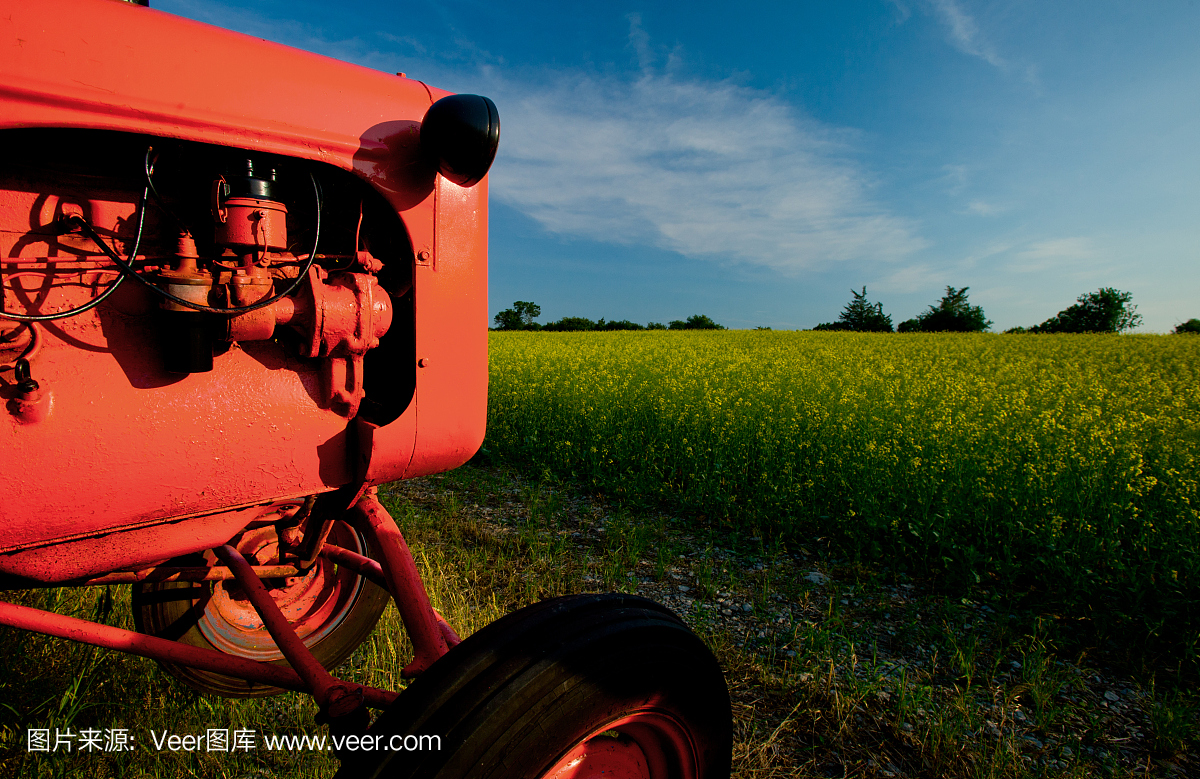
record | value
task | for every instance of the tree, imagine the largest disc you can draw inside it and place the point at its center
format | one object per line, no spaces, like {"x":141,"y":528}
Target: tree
{"x":1190,"y":326}
{"x":860,"y":316}
{"x":952,"y":314}
{"x":695,"y":322}
{"x":618,"y":324}
{"x":519,"y":317}
{"x":570,"y":324}
{"x":1106,"y":310}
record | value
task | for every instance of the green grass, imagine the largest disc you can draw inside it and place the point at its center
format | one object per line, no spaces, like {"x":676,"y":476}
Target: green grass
{"x":837,"y":687}
{"x":1061,"y":469}
{"x":60,"y":685}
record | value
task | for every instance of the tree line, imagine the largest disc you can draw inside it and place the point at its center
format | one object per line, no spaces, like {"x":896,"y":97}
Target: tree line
{"x":1107,"y":310}
{"x":523,"y":312}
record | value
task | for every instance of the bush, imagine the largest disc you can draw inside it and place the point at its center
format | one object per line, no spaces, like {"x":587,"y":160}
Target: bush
{"x":519,"y":317}
{"x":860,"y":316}
{"x":695,"y":322}
{"x":1190,"y":326}
{"x":618,"y":324}
{"x":1106,"y":310}
{"x":952,"y":314}
{"x":570,"y":324}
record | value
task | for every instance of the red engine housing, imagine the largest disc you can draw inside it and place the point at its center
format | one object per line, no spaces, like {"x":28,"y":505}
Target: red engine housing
{"x":114,"y":462}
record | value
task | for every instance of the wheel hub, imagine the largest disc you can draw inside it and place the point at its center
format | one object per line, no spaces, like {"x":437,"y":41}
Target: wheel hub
{"x":314,"y":603}
{"x":646,"y":744}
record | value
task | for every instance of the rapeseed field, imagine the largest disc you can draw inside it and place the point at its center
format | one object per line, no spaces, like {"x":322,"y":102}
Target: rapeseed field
{"x":1058,"y":467}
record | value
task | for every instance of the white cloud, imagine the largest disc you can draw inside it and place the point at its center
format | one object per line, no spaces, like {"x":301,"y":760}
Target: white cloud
{"x":983,"y":208}
{"x":964,"y":33}
{"x":1056,"y":253}
{"x":911,"y":278}
{"x":1078,"y":248}
{"x":707,"y":169}
{"x":902,"y":11}
{"x":954,"y":177}
{"x":639,"y":41}
{"x":407,"y":41}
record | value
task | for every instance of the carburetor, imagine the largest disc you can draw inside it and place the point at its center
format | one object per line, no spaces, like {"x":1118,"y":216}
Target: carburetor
{"x":230,"y":297}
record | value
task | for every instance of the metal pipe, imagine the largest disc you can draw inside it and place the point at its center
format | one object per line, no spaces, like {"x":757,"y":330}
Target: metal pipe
{"x":197,"y":574}
{"x":404,"y":582}
{"x":373,"y":572}
{"x":160,"y":574}
{"x":164,"y":651}
{"x":291,"y":645}
{"x":363,"y":566}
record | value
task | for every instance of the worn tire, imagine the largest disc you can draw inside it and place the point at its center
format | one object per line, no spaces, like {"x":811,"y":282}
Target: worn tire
{"x":603,"y":675}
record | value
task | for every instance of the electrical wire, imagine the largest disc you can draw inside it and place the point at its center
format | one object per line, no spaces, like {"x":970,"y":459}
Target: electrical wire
{"x":35,"y":342}
{"x":127,"y":269}
{"x":148,"y":169}
{"x":353,"y":258}
{"x":111,"y":288}
{"x":232,"y":310}
{"x":31,"y":348}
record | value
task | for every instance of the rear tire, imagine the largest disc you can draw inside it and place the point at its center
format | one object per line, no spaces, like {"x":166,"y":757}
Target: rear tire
{"x":586,"y":685}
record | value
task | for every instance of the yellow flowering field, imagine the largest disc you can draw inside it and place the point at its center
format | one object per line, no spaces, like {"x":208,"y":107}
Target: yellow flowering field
{"x":1064,"y":465}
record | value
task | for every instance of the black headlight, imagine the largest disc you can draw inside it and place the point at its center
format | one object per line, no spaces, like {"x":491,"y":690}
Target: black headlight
{"x":460,"y":134}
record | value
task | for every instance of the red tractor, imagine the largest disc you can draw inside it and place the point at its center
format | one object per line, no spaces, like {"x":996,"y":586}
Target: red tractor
{"x":242,"y":285}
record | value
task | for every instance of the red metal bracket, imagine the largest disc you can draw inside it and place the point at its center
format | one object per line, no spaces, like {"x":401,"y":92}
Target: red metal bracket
{"x":165,"y":651}
{"x":403,"y":579}
{"x":336,"y":699}
{"x":372,"y":571}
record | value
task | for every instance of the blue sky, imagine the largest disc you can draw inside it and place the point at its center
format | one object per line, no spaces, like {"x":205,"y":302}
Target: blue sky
{"x":756,"y":161}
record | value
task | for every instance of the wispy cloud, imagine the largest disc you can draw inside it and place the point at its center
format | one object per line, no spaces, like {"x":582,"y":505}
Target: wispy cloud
{"x":902,"y":11}
{"x":708,"y":169}
{"x":1056,"y":253}
{"x":639,"y":41}
{"x":954,"y":178}
{"x":370,"y":47}
{"x":1077,"y":248}
{"x":983,"y":208}
{"x":406,"y":41}
{"x":964,"y":33}
{"x":912,"y":277}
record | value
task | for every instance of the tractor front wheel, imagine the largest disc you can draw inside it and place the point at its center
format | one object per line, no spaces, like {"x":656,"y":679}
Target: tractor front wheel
{"x":612,"y":686}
